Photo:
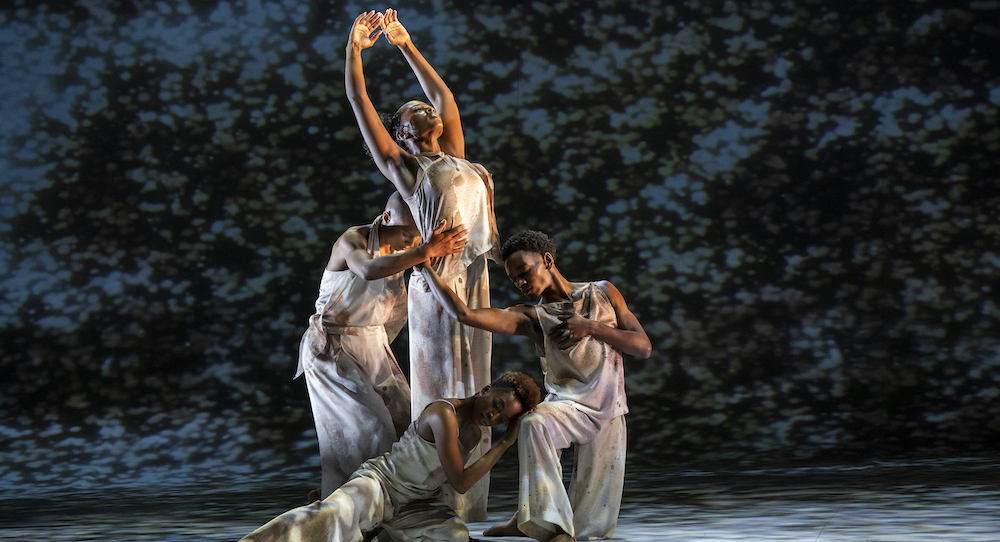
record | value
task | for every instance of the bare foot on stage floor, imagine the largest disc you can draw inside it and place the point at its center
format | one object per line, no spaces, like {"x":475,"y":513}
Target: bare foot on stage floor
{"x":507,"y":528}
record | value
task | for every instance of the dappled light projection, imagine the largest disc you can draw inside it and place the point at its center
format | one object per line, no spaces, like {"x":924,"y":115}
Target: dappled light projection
{"x":798,"y":200}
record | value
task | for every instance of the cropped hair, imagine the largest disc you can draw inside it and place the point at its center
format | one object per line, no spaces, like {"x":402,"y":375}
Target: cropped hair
{"x":523,"y":387}
{"x":528,"y":241}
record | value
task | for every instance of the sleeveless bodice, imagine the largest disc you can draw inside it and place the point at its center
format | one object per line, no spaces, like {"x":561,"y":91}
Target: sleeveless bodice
{"x":412,"y":467}
{"x":589,"y":372}
{"x":461,"y":193}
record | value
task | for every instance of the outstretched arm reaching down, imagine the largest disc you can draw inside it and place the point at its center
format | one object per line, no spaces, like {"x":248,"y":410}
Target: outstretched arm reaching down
{"x":517,"y":320}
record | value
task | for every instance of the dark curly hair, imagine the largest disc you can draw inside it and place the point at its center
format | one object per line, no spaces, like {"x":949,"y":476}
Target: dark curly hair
{"x":528,"y":241}
{"x":523,"y":387}
{"x":391,"y":123}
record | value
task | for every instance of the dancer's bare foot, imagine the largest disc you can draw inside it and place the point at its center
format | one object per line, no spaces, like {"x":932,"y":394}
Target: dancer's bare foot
{"x":313,"y":495}
{"x":507,"y":528}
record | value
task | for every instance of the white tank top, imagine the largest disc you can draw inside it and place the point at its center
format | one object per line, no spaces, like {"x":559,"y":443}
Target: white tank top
{"x":461,"y":193}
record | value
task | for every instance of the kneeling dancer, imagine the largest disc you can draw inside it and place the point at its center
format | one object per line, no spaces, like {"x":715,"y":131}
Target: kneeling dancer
{"x":399,"y":491}
{"x":582,"y":329}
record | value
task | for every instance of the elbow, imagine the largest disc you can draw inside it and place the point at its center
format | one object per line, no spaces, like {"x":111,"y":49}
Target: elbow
{"x":644,"y":351}
{"x":459,"y":486}
{"x":463,"y":315}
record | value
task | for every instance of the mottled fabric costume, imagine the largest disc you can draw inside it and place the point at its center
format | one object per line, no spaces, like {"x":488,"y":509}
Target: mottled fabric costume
{"x":585,"y":407}
{"x":359,"y":396}
{"x":397,"y":491}
{"x":447,"y":358}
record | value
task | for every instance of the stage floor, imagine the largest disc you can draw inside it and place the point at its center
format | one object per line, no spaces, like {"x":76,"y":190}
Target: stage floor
{"x":914,"y":502}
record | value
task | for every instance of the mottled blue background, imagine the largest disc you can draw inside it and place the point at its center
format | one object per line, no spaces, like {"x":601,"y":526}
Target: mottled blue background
{"x":798,"y":199}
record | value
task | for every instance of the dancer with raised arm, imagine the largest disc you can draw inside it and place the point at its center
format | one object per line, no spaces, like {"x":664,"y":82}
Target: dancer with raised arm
{"x":582,"y":329}
{"x":423,"y":154}
{"x":397,"y":491}
{"x":360,"y":399}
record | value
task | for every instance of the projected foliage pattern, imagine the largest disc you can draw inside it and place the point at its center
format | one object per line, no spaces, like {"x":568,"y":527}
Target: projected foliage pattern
{"x":798,"y":200}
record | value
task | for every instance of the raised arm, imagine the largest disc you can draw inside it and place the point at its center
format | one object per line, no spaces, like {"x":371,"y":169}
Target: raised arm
{"x":627,"y":336}
{"x":444,"y":426}
{"x":351,"y":251}
{"x":452,"y":139}
{"x":396,"y":164}
{"x":513,"y":321}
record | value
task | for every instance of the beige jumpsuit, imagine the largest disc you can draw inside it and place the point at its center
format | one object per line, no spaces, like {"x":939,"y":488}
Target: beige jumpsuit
{"x":360,"y":399}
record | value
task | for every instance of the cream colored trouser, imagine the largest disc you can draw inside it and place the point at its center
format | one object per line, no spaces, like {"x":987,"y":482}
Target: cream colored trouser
{"x":589,"y":509}
{"x":359,"y":506}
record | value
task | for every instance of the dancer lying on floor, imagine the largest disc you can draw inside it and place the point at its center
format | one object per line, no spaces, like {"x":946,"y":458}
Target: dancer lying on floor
{"x":398,"y":491}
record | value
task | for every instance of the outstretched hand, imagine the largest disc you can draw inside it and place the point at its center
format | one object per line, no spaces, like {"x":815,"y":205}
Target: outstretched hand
{"x":394,"y":31}
{"x":444,"y":242}
{"x":364,"y":33}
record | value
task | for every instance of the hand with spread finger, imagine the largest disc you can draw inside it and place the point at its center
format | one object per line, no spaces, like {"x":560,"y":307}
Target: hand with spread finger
{"x":394,"y":31}
{"x":365,"y":31}
{"x":444,"y":242}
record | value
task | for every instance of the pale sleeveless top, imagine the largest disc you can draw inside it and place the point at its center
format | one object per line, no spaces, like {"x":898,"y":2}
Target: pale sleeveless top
{"x":589,"y":373}
{"x":345,"y":299}
{"x":460,"y":192}
{"x":349,"y":304}
{"x":412,"y":467}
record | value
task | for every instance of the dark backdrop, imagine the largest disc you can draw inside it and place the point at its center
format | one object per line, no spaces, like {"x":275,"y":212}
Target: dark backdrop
{"x":798,"y":199}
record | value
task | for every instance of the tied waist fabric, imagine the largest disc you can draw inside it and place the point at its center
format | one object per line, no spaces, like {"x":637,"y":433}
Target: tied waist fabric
{"x":323,"y":339}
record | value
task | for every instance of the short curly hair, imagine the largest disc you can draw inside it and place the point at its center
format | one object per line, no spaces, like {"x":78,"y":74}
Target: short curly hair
{"x":528,"y":241}
{"x":523,"y":387}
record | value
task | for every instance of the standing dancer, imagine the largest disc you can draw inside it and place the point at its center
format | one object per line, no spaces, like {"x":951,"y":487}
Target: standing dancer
{"x":359,"y":397}
{"x":423,"y":155}
{"x":582,"y":329}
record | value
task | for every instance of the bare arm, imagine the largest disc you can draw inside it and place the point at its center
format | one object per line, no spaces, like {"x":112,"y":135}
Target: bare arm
{"x":513,"y":321}
{"x":351,"y":252}
{"x":452,"y":139}
{"x":444,"y":426}
{"x":395,"y":164}
{"x":627,"y":336}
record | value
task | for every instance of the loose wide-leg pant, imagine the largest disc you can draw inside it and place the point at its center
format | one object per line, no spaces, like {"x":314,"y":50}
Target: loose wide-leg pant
{"x":589,"y":509}
{"x":450,"y":359}
{"x":359,"y":506}
{"x":359,"y":398}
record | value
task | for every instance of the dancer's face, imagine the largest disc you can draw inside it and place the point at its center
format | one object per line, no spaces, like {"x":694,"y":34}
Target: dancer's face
{"x":528,"y":271}
{"x":417,"y":118}
{"x":401,"y":237}
{"x":496,"y":407}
